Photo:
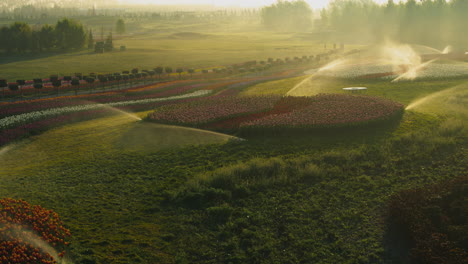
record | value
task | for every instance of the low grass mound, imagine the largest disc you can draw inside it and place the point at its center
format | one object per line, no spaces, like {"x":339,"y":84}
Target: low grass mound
{"x":148,"y":137}
{"x":266,"y":113}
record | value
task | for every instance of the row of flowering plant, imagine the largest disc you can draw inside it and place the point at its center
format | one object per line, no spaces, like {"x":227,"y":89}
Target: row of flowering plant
{"x":328,"y":110}
{"x":387,"y":71}
{"x":211,"y":109}
{"x":15,"y":120}
{"x":273,"y":112}
{"x":30,"y":233}
{"x":163,"y":89}
{"x":160,"y":90}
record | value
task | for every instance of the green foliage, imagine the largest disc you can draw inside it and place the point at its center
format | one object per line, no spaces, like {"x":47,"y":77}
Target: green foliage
{"x":90,"y":40}
{"x":403,"y":22}
{"x":434,"y":220}
{"x":70,"y":34}
{"x":315,"y":199}
{"x":19,"y":37}
{"x":120,"y":26}
{"x":285,"y":15}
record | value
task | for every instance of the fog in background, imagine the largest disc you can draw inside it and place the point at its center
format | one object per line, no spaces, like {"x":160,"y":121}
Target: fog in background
{"x":435,"y":23}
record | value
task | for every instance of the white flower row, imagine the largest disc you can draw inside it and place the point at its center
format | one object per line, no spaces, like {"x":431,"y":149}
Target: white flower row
{"x":432,"y":70}
{"x":25,"y":118}
{"x":356,"y":70}
{"x":439,"y":70}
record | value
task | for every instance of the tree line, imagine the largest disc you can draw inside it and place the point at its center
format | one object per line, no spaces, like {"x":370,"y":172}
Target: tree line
{"x":285,"y":15}
{"x":20,"y":37}
{"x":429,"y":22}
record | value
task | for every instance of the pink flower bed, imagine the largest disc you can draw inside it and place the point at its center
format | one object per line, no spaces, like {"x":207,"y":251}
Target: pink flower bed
{"x":212,"y":109}
{"x":328,"y":110}
{"x":258,"y":113}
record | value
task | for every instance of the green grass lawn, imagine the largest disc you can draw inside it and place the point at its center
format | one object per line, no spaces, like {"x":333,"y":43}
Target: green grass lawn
{"x":172,"y":44}
{"x":128,"y":196}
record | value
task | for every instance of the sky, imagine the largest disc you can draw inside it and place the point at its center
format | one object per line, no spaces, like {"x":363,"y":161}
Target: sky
{"x":237,"y":3}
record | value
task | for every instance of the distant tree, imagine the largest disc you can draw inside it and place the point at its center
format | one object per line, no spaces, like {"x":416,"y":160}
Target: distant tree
{"x":159,"y":71}
{"x":120,"y":26}
{"x":70,"y":34}
{"x":180,"y":71}
{"x":103,"y":80}
{"x":13,"y":86}
{"x":125,"y":77}
{"x":152,"y":73}
{"x":90,"y":81}
{"x":191,"y":71}
{"x":90,"y":39}
{"x":47,"y":37}
{"x":38,"y":86}
{"x":21,"y":83}
{"x":57,"y":84}
{"x":108,"y":44}
{"x":118,"y":78}
{"x":20,"y":34}
{"x":3,"y":85}
{"x":75,"y":82}
{"x":35,"y":44}
{"x":295,"y":15}
{"x":168,"y":70}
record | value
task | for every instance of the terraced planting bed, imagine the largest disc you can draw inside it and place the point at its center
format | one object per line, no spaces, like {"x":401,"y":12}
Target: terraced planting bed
{"x":263,"y":113}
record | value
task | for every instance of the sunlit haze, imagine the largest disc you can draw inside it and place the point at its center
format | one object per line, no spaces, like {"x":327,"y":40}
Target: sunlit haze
{"x":239,"y":3}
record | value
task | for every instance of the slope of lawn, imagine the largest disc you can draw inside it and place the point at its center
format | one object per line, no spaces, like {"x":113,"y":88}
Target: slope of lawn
{"x":404,"y":92}
{"x":101,"y":137}
{"x":174,"y":47}
{"x":280,"y":87}
{"x":315,"y":198}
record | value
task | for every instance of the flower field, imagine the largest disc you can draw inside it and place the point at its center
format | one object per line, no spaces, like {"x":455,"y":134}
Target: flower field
{"x":15,"y":120}
{"x":212,"y":109}
{"x":387,"y":71}
{"x":246,"y":113}
{"x":329,"y":110}
{"x":30,"y":234}
{"x":30,"y":117}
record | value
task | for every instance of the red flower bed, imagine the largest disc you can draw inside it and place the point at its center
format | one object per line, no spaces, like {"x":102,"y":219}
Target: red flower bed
{"x":161,"y":90}
{"x":329,"y":110}
{"x":260,"y":113}
{"x":212,"y":109}
{"x":30,"y":234}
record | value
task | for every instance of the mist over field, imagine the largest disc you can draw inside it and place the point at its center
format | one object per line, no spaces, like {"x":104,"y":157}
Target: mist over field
{"x":233,"y":131}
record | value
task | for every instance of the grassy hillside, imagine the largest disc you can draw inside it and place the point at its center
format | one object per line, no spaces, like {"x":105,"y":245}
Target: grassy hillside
{"x":166,"y":43}
{"x":128,"y":196}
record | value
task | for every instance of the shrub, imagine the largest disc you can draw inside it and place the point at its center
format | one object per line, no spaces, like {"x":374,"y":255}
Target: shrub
{"x":435,"y":219}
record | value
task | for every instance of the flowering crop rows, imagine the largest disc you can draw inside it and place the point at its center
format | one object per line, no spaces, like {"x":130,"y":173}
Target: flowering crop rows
{"x":212,"y":109}
{"x":430,"y":71}
{"x":162,"y":90}
{"x":325,"y":110}
{"x":15,"y":120}
{"x":330,"y":110}
{"x":25,"y":118}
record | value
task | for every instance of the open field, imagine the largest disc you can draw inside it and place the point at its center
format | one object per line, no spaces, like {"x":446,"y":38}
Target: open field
{"x":167,"y":44}
{"x":133,"y":192}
